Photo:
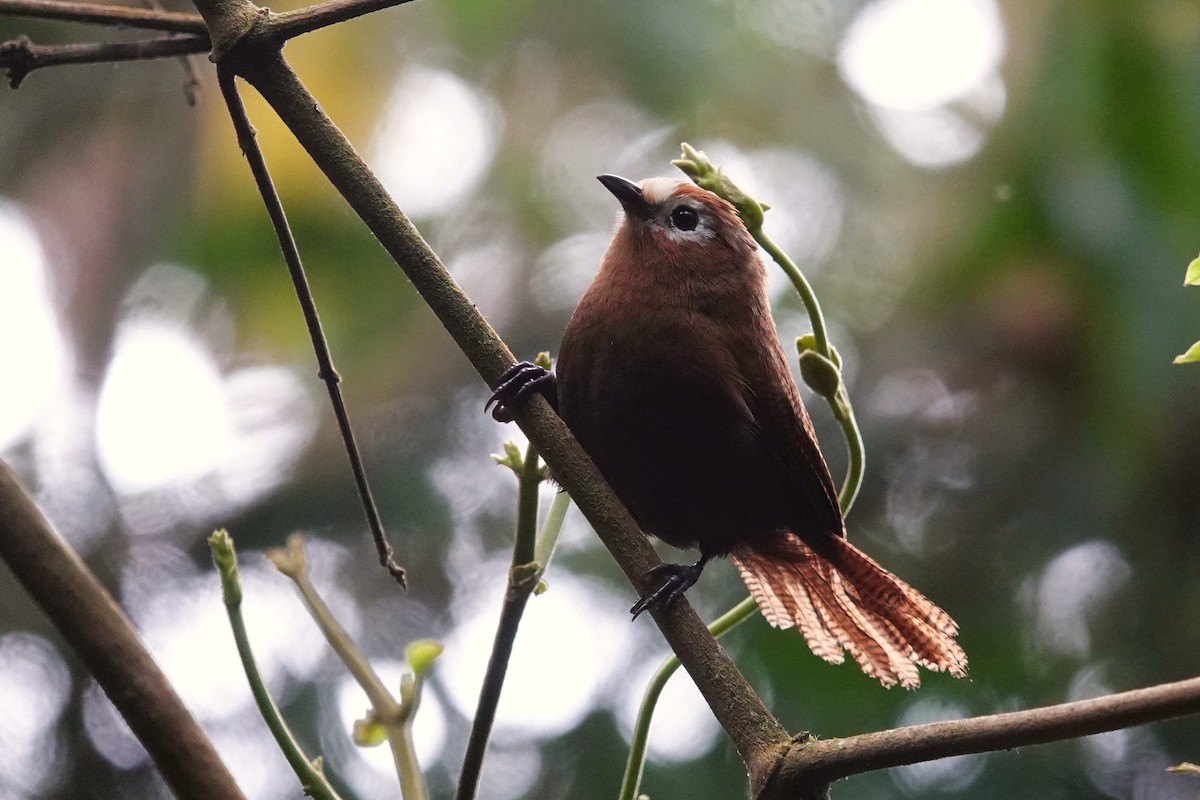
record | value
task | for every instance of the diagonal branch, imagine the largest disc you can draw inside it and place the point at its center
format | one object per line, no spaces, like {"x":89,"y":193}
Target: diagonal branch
{"x":756,"y":734}
{"x":167,"y":21}
{"x":21,"y":56}
{"x":103,"y":637}
{"x":293,"y":23}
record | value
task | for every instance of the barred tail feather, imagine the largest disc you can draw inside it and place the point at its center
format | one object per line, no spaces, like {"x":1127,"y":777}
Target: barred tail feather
{"x":842,"y":600}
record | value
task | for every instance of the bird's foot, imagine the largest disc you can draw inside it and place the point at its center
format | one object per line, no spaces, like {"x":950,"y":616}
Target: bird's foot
{"x":672,"y":581}
{"x":517,"y":382}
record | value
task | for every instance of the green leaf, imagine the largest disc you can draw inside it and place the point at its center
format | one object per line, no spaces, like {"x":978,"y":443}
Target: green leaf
{"x":1192,"y":355}
{"x":1193,"y":273}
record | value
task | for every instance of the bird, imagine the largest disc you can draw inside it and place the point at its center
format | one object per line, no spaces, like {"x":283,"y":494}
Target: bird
{"x":672,"y":378}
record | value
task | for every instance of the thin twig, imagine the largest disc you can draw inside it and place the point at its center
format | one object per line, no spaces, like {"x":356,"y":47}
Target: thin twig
{"x":325,"y":368}
{"x":522,"y":578}
{"x":104,"y":639}
{"x":305,"y":20}
{"x":21,"y":56}
{"x":168,"y":21}
{"x":292,"y":561}
{"x":308,"y":772}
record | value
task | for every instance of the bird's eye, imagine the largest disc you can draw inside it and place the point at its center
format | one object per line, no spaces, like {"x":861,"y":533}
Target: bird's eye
{"x":685,"y":218}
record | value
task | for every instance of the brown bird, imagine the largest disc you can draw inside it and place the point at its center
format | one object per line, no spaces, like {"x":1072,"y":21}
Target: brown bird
{"x":673,"y":380}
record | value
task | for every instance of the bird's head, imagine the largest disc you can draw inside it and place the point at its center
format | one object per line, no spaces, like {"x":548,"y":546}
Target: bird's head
{"x":678,"y":218}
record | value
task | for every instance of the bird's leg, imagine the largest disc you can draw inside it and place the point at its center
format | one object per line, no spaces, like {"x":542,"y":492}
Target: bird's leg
{"x":674,"y":580}
{"x":517,"y":382}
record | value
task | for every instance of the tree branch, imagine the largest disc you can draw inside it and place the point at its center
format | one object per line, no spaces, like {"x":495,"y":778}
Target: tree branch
{"x":94,"y":13}
{"x":21,"y":56}
{"x":294,"y":23}
{"x":822,"y":761}
{"x":103,"y":637}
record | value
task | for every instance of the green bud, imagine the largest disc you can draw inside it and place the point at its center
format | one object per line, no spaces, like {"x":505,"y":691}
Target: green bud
{"x":542,"y":360}
{"x":1192,"y":278}
{"x":511,"y":458}
{"x":1191,"y":356}
{"x":821,"y":374}
{"x":225,"y":559}
{"x":369,"y":731}
{"x":541,"y":588}
{"x":809,"y":342}
{"x":422,"y":653}
{"x":291,"y":560}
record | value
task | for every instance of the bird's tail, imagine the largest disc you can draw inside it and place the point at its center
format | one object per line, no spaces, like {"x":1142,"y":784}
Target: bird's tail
{"x":840,"y":599}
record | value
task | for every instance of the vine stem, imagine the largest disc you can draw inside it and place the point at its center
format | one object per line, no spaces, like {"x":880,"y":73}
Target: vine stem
{"x":803,"y":288}
{"x":839,"y":403}
{"x":641,"y":729}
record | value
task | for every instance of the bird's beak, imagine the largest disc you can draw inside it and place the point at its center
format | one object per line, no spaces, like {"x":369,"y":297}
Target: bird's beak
{"x":629,"y":193}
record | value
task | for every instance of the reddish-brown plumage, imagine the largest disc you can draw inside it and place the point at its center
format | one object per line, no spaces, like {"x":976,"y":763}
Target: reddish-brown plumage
{"x":671,"y":376}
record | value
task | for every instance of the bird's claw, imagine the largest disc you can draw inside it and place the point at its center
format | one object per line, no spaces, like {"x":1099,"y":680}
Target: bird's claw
{"x":673,"y":581}
{"x":517,"y":382}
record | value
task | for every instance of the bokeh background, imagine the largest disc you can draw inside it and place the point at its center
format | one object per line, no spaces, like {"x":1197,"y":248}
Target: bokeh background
{"x":996,"y":201}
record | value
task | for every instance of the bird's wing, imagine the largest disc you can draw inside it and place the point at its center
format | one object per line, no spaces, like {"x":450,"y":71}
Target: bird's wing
{"x":788,"y":437}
